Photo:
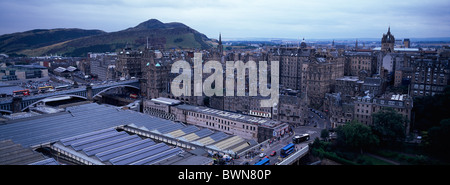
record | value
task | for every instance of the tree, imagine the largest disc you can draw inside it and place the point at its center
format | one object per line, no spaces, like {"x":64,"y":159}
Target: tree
{"x":356,"y":135}
{"x":389,"y":126}
{"x":438,"y":138}
{"x":206,"y":101}
{"x":426,"y":114}
{"x":324,"y":134}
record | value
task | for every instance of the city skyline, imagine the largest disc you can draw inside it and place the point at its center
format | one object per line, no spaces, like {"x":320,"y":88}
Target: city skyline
{"x":249,"y":19}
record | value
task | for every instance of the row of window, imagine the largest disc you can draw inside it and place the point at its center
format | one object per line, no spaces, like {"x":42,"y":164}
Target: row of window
{"x":363,"y":67}
{"x":362,"y":111}
{"x":428,"y":87}
{"x":5,"y":107}
{"x":221,"y":123}
{"x":223,"y":127}
{"x":363,"y":62}
{"x":399,"y":110}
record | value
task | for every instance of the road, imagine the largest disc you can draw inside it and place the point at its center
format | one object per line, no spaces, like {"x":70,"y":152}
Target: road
{"x":316,"y":121}
{"x":276,"y":145}
{"x":313,"y":128}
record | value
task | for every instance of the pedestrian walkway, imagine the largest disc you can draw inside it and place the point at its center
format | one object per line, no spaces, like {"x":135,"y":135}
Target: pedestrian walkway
{"x":382,"y":158}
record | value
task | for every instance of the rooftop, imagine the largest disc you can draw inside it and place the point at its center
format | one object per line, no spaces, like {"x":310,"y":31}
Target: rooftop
{"x":399,"y":49}
{"x":349,"y":78}
{"x":36,"y":130}
{"x":112,"y":147}
{"x":63,"y":130}
{"x":15,"y":154}
{"x":166,"y":101}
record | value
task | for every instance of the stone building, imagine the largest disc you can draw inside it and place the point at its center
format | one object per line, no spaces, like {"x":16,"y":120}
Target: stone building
{"x":430,"y":75}
{"x":22,"y":72}
{"x":156,"y":75}
{"x":248,"y":127}
{"x":373,"y":85}
{"x":103,"y":65}
{"x":359,"y":61}
{"x":292,"y":110}
{"x":319,"y":77}
{"x":348,"y":86}
{"x":160,"y":107}
{"x":290,"y":60}
{"x":366,"y":106}
{"x":338,"y":110}
{"x":129,"y":63}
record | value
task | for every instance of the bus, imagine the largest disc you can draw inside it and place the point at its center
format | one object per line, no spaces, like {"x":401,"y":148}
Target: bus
{"x":25,"y":92}
{"x":45,"y":89}
{"x":265,"y":161}
{"x":286,"y":150}
{"x":134,"y":96}
{"x":301,"y":138}
{"x":62,"y":87}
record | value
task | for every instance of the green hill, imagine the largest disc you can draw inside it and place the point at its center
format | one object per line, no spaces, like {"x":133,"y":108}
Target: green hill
{"x":159,"y":35}
{"x":33,"y":39}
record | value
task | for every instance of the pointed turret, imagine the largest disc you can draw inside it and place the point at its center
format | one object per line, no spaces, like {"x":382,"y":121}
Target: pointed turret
{"x":220,"y":46}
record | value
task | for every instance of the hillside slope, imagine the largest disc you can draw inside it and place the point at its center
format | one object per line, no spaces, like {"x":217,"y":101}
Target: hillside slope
{"x":159,"y":35}
{"x":33,"y":39}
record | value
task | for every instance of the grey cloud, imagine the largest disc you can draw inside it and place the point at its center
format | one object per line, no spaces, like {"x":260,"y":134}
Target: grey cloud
{"x":251,"y":18}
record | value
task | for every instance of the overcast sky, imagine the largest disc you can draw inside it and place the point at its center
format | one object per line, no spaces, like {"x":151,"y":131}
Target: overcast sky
{"x":320,"y":19}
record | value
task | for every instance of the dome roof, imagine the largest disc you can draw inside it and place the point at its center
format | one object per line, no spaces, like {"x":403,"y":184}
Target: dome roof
{"x":303,"y":44}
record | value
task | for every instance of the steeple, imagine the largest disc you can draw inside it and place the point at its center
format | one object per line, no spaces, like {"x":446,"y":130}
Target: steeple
{"x":388,"y":41}
{"x":220,"y":47}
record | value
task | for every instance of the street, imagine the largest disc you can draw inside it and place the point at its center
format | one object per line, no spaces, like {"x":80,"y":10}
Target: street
{"x":253,"y":156}
{"x":316,"y":122}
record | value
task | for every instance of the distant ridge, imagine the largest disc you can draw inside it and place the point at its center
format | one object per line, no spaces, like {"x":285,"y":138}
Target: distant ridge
{"x":77,"y":42}
{"x":431,"y":39}
{"x":33,"y":39}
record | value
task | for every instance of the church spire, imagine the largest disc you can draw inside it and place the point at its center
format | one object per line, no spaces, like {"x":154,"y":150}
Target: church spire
{"x":220,"y":47}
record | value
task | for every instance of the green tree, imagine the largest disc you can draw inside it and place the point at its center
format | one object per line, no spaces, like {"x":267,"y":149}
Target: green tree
{"x":389,"y":126}
{"x":324,"y":134}
{"x":438,"y":138}
{"x":206,"y":101}
{"x":356,"y":136}
{"x":426,"y":114}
